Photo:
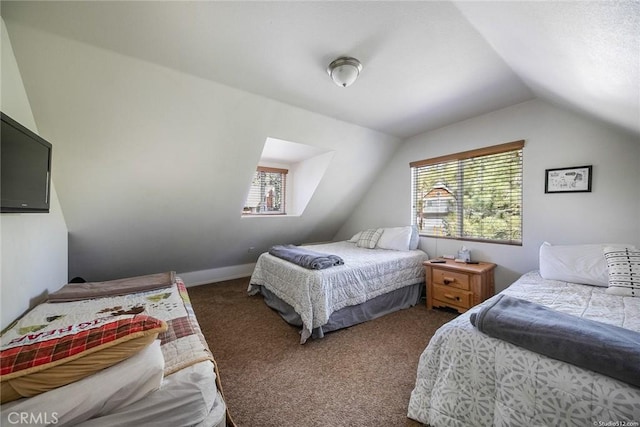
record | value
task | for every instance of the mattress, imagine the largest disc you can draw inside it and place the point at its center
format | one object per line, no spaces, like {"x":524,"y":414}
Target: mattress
{"x":316,"y":294}
{"x":467,"y":378}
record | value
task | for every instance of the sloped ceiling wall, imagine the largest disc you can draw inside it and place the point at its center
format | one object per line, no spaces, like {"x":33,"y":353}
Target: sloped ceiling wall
{"x":583,"y":55}
{"x":152,"y":165}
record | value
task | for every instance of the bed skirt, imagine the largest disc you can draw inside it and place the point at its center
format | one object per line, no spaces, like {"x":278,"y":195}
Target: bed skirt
{"x":348,"y":316}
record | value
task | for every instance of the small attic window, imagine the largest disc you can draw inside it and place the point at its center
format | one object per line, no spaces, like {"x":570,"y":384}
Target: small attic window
{"x":267,"y":194}
{"x":285,"y":178}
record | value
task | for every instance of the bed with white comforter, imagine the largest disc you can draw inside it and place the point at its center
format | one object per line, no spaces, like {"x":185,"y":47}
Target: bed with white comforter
{"x":316,"y":294}
{"x":467,"y":378}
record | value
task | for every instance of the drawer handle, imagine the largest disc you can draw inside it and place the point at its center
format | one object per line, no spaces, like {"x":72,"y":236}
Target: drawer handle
{"x":449,"y":296}
{"x":448,"y":280}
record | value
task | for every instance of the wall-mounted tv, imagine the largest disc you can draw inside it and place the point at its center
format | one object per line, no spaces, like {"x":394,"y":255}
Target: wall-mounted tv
{"x":25,"y":169}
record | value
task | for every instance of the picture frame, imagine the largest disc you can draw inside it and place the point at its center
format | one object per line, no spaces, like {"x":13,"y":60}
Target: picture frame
{"x":574,"y":179}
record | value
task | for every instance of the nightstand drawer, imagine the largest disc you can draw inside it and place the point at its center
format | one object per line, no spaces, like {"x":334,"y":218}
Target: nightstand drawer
{"x":457,"y":285}
{"x":452,"y":296}
{"x":451,"y":278}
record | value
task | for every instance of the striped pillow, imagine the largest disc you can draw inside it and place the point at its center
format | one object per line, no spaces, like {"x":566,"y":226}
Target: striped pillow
{"x":624,"y":271}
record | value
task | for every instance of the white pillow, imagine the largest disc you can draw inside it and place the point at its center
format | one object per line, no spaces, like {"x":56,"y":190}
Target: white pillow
{"x":355,"y":237}
{"x":415,"y":238}
{"x":576,"y":263}
{"x":369,"y":238}
{"x":395,"y":238}
{"x":624,"y":271}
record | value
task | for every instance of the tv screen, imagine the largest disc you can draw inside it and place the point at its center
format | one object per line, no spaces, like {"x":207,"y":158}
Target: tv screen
{"x":25,"y":169}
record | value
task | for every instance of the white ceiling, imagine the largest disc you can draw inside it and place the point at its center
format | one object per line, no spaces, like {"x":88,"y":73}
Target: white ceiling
{"x":426,"y":64}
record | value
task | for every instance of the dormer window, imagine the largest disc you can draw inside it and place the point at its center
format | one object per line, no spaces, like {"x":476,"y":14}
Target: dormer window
{"x":267,"y":194}
{"x":285,"y":178}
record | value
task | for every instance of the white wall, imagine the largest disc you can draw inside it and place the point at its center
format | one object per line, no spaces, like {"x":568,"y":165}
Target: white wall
{"x":553,"y":138}
{"x":153,"y":165}
{"x":33,"y":251}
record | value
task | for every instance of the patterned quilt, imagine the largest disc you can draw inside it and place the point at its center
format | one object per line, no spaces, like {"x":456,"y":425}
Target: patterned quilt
{"x":467,"y":378}
{"x":182,"y":343}
{"x":315,"y":294}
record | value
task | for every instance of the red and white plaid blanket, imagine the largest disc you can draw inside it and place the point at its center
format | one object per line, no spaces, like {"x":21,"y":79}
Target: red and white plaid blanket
{"x":36,"y":351}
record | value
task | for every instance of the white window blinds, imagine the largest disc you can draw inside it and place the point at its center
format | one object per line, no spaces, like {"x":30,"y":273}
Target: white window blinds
{"x":473,"y":195}
{"x":267,"y":194}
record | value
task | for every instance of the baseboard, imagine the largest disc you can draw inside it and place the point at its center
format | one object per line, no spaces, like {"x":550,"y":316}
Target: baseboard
{"x":202,"y":277}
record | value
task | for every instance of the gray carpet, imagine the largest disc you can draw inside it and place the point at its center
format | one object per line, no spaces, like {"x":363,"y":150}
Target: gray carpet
{"x":359,"y":376}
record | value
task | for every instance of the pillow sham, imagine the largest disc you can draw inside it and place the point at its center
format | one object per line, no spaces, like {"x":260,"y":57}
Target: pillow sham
{"x":35,"y":362}
{"x":369,"y":238}
{"x":624,"y":271}
{"x":395,"y":238}
{"x":576,"y":263}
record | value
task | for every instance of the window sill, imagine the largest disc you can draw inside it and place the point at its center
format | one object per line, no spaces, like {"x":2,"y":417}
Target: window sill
{"x":269,"y":216}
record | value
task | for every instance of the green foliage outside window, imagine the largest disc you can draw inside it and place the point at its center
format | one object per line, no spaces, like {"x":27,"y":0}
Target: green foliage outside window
{"x":472,"y":198}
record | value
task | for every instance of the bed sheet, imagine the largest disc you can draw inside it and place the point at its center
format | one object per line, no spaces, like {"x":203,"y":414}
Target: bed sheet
{"x":316,"y":294}
{"x":186,"y":398}
{"x":109,"y":389}
{"x":467,"y":378}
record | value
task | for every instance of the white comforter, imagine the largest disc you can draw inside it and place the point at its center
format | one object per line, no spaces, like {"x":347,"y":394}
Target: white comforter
{"x":467,"y":378}
{"x":315,"y":294}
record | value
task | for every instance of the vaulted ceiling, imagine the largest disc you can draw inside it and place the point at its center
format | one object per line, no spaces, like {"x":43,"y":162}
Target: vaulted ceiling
{"x":426,"y":63}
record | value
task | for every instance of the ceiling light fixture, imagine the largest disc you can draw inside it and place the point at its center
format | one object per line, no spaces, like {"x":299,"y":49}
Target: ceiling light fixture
{"x":344,"y":70}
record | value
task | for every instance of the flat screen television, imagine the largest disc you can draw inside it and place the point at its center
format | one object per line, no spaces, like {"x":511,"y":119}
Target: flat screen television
{"x":25,"y":169}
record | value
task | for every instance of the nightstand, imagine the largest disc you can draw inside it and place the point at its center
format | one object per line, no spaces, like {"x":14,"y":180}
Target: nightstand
{"x":458,"y":285}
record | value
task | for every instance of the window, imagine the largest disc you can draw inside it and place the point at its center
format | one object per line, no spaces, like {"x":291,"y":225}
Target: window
{"x":284,"y":179}
{"x":267,"y":194}
{"x":473,"y":195}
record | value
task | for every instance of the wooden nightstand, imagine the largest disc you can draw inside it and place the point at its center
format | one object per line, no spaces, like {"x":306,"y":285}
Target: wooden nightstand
{"x":458,"y":285}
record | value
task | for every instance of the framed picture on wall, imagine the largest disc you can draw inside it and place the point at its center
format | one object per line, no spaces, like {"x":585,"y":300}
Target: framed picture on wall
{"x":575,"y":179}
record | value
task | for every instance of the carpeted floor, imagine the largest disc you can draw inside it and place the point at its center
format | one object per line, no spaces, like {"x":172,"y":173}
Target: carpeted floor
{"x":359,"y":376}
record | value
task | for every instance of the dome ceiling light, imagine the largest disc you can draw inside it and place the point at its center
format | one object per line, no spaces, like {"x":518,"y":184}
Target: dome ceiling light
{"x":344,"y":70}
